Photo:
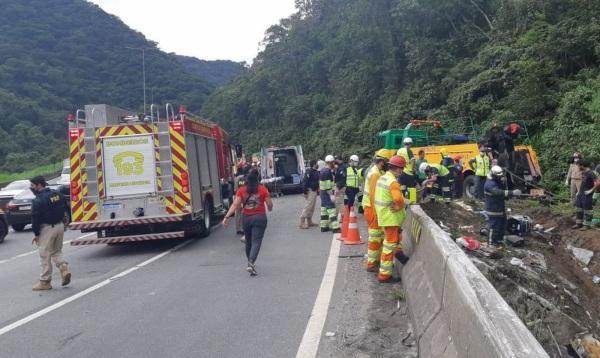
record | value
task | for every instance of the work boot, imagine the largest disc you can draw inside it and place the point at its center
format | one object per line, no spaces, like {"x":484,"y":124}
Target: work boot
{"x":401,"y":257}
{"x":42,"y":286}
{"x":336,"y":231}
{"x":373,"y":269}
{"x":311,"y":223}
{"x":324,"y":229}
{"x":65,"y":274}
{"x":303,"y":224}
{"x":390,"y":280}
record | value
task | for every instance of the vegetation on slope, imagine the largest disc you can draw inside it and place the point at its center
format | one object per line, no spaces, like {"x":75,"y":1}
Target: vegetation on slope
{"x":338,"y":71}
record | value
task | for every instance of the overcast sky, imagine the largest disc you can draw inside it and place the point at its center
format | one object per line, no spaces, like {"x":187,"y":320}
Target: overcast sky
{"x":207,"y":29}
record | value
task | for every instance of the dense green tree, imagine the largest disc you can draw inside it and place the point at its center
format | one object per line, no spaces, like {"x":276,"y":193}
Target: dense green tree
{"x":338,"y":71}
{"x":58,"y":55}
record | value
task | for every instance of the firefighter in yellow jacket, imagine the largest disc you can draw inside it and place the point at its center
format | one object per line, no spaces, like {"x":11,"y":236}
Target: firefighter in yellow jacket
{"x":391,"y":212}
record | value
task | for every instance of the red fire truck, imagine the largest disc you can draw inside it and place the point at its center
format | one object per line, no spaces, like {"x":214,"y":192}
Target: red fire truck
{"x":147,"y":177}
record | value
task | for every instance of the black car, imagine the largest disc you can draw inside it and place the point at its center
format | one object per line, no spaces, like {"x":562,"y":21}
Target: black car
{"x":18,"y":210}
{"x":3,"y":226}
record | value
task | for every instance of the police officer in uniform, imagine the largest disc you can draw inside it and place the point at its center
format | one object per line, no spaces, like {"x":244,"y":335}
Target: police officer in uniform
{"x":47,"y":214}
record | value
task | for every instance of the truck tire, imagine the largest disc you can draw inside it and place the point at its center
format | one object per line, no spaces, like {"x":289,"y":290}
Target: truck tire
{"x":207,"y":220}
{"x":18,"y":227}
{"x":469,"y":186}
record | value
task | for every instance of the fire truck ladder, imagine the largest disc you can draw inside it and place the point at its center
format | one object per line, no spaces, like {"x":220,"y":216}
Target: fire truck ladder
{"x":162,"y":149}
{"x":87,"y":161}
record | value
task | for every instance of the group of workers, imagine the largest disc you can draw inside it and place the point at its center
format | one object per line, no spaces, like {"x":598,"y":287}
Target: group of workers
{"x":339,"y":184}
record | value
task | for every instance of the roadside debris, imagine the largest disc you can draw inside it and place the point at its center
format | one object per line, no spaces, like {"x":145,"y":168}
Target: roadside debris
{"x":517,"y":262}
{"x":469,"y":243}
{"x":553,"y":292}
{"x":584,"y":256}
{"x":330,"y":334}
{"x":585,"y":346}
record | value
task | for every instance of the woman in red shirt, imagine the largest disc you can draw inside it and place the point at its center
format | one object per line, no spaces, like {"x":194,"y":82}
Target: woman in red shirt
{"x":254,"y":199}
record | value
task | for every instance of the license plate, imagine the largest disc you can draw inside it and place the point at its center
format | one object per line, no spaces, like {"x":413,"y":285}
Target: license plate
{"x":23,"y":208}
{"x":112,"y":206}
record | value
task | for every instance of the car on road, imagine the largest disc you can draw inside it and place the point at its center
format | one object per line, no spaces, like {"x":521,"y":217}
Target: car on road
{"x":65,"y":174}
{"x":18,"y":210}
{"x":8,"y":192}
{"x":3,"y":226}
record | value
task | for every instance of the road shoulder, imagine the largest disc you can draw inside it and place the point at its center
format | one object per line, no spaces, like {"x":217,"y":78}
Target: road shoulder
{"x":365,"y":318}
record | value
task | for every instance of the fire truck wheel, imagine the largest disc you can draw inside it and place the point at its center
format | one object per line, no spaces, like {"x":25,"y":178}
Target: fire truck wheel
{"x":206,"y":222}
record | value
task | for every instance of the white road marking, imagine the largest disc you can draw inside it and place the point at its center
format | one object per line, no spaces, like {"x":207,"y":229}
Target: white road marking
{"x":314,"y":329}
{"x":87,"y":291}
{"x":35,"y":251}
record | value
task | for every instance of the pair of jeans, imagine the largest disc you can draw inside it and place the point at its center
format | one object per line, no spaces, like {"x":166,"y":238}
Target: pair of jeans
{"x":254,"y":230}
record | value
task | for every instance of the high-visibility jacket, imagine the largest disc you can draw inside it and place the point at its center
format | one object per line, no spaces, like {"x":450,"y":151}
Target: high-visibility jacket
{"x":373,"y":170}
{"x":408,"y":155}
{"x":325,"y":179}
{"x":384,"y":199}
{"x":483,"y":165}
{"x":440,"y":169}
{"x":352,"y":177}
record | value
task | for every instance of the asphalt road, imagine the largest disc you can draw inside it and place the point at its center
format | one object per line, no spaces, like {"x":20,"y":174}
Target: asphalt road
{"x":194,"y":301}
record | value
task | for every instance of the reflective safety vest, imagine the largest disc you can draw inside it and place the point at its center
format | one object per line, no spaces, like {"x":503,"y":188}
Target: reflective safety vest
{"x":483,"y":165}
{"x":326,"y":184}
{"x":408,"y":156}
{"x":442,"y":170}
{"x":352,"y":177}
{"x":384,"y":201}
{"x":366,"y":201}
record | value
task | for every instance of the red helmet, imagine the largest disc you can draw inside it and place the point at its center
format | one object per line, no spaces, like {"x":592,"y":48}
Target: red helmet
{"x":397,"y":161}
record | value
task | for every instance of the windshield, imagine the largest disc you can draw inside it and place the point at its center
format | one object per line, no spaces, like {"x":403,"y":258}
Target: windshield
{"x":66,"y":170}
{"x":17,"y":185}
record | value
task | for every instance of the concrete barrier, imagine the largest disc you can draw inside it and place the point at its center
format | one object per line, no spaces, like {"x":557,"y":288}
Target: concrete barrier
{"x":455,"y":310}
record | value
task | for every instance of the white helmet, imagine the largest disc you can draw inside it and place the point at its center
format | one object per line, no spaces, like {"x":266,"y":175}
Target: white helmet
{"x":329,"y":159}
{"x":408,"y":140}
{"x":497,"y":171}
{"x":354,"y":158}
{"x":423,"y":167}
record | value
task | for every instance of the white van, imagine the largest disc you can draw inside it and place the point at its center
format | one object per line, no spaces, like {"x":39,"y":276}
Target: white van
{"x":286,"y":163}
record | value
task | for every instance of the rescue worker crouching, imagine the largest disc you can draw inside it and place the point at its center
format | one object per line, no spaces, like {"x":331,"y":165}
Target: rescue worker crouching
{"x":495,"y":204}
{"x":439,"y":176}
{"x":329,"y":219}
{"x":376,"y":234}
{"x":391,"y":213}
{"x":448,"y":162}
{"x":47,"y":215}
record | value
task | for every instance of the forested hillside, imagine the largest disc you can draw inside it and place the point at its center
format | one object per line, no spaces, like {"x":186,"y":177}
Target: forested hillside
{"x":338,"y":71}
{"x":217,"y":73}
{"x":57,"y":55}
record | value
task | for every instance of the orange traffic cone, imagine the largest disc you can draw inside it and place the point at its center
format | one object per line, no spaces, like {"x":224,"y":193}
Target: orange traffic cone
{"x":345,"y":223}
{"x":353,"y":237}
